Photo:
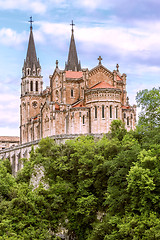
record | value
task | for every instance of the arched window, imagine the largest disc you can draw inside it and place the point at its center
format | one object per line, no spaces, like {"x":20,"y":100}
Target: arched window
{"x":95,"y":111}
{"x":71,"y":92}
{"x":102,"y":111}
{"x":28,"y":72}
{"x":110,"y":111}
{"x":83,"y":119}
{"x":124,"y":115}
{"x":31,"y":86}
{"x":116,"y":112}
{"x":127,"y":121}
{"x":36,"y":86}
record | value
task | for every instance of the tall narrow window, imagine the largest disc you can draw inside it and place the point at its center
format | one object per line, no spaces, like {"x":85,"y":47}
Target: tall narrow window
{"x":102,"y":111}
{"x":95,"y":111}
{"x":116,"y":112}
{"x":127,"y":121}
{"x":124,"y":115}
{"x":31,"y":83}
{"x":36,"y":86}
{"x":83,"y":119}
{"x":71,"y":92}
{"x":110,"y":111}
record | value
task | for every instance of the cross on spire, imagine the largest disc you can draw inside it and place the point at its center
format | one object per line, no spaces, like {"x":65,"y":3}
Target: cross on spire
{"x":117,"y":66}
{"x":56,"y":63}
{"x":31,"y":21}
{"x":100,"y":59}
{"x":72,"y":24}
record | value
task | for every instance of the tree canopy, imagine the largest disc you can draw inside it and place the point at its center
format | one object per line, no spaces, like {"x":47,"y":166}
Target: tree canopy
{"x":93,"y":189}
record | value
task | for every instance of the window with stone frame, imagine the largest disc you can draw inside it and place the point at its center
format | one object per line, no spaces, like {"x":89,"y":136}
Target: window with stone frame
{"x":83,"y":119}
{"x":72,"y":92}
{"x":110,"y":111}
{"x":36,"y":86}
{"x":116,"y":112}
{"x":127,"y":121}
{"x":102,"y":111}
{"x":31,"y":86}
{"x":28,"y":71}
{"x":95,"y":112}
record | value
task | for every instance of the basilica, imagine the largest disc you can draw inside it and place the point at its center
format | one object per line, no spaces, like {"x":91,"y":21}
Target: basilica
{"x":78,"y":100}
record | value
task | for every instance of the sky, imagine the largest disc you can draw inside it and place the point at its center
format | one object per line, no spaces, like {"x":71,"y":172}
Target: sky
{"x":121,"y":31}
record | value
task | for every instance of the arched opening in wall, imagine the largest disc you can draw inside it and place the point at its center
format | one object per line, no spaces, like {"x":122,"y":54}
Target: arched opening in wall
{"x":83,"y":119}
{"x":127,"y":121}
{"x":31,"y":134}
{"x":95,"y":112}
{"x":124,"y":115}
{"x":36,"y":86}
{"x":13,"y":165}
{"x":19,"y":162}
{"x":23,"y":137}
{"x":28,"y":72}
{"x":116,"y":112}
{"x":67,"y":124}
{"x":31,"y":86}
{"x":110,"y":111}
{"x":71,"y":92}
{"x":57,"y":95}
{"x":102,"y":111}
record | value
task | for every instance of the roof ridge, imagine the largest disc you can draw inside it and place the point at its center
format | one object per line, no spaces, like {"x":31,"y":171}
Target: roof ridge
{"x":95,"y":85}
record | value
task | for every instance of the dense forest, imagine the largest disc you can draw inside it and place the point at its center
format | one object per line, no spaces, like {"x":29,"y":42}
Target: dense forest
{"x":88,"y":189}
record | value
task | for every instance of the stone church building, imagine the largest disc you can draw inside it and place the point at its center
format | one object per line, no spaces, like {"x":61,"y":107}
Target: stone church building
{"x":78,"y":100}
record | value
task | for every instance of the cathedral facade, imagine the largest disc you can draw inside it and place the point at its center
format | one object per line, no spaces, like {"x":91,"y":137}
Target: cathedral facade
{"x":78,"y":100}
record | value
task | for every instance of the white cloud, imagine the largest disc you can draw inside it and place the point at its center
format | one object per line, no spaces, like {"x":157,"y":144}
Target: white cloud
{"x":38,"y":6}
{"x":138,"y":41}
{"x":9,"y":109}
{"x":96,"y":4}
{"x":9,"y":131}
{"x":56,"y":29}
{"x":33,"y":6}
{"x":10,"y":37}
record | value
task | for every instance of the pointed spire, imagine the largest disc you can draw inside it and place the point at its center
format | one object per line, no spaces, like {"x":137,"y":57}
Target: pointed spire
{"x":72,"y":63}
{"x":31,"y":61}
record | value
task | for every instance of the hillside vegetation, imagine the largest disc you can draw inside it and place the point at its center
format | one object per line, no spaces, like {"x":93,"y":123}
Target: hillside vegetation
{"x":92,"y":189}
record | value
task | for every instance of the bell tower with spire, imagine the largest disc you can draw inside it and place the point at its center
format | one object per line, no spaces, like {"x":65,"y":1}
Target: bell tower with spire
{"x":72,"y":63}
{"x":31,"y":89}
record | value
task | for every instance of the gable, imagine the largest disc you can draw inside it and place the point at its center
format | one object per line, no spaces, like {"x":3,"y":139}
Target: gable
{"x":100,"y":74}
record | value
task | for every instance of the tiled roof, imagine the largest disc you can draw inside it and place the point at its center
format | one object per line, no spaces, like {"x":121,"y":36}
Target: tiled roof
{"x":73,"y":74}
{"x":9,"y":139}
{"x":102,"y":85}
{"x":118,"y":78}
{"x":57,"y":106}
{"x":126,"y":107}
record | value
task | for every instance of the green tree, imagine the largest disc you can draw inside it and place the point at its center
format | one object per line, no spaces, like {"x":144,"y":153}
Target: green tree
{"x":117,"y":129}
{"x":149,"y":101}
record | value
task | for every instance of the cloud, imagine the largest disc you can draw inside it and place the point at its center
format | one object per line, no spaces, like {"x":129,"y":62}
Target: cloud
{"x":37,"y":7}
{"x":138,"y":43}
{"x":9,"y":110}
{"x":10,"y":37}
{"x":23,"y":5}
{"x":9,"y":131}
